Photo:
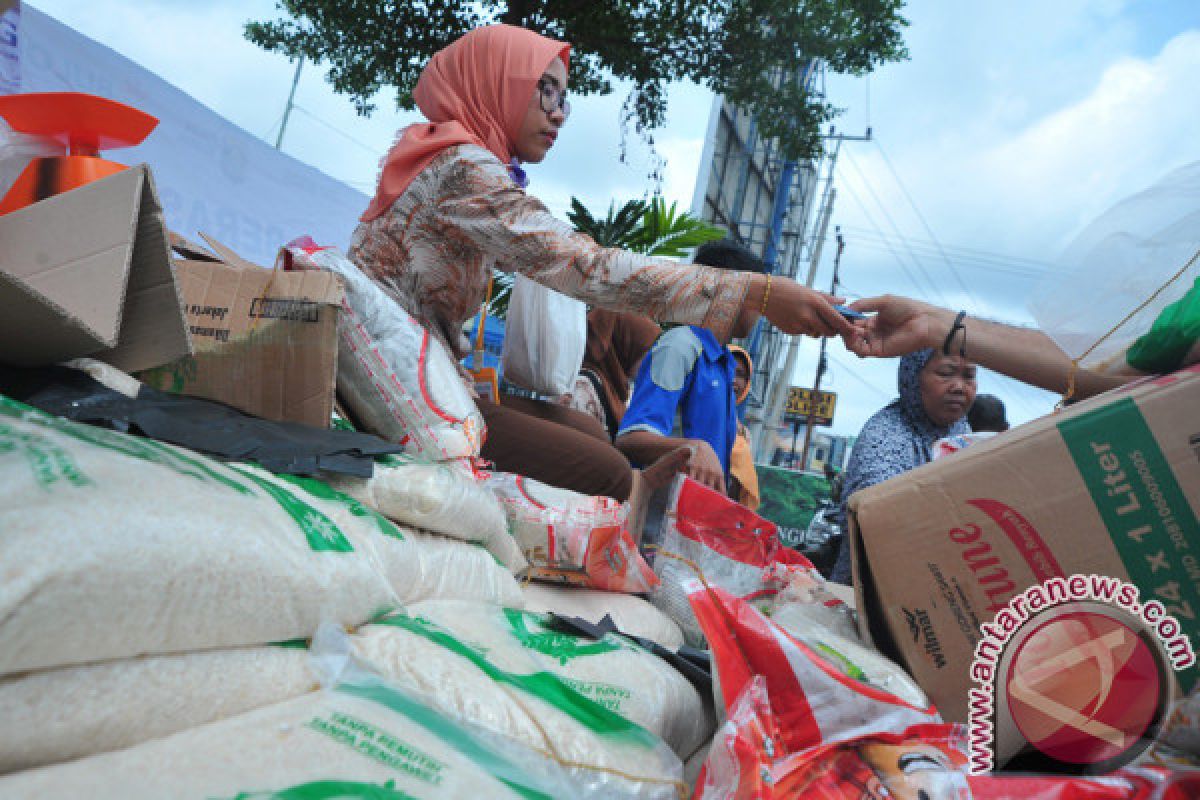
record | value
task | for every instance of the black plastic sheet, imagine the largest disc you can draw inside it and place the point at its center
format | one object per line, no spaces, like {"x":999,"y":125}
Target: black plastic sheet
{"x":202,"y":425}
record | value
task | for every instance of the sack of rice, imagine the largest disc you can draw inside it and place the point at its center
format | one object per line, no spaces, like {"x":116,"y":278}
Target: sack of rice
{"x":114,"y":546}
{"x":445,"y":498}
{"x":418,"y":565}
{"x":363,"y":738}
{"x":458,"y":570}
{"x":572,"y":538}
{"x":61,"y":714}
{"x":631,"y":614}
{"x":396,"y":380}
{"x":600,"y":704}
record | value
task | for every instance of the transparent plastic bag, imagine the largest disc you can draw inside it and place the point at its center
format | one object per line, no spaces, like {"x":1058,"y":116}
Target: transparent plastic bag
{"x":706,"y":533}
{"x":545,"y":336}
{"x":399,"y":382}
{"x":446,"y":497}
{"x":18,"y":149}
{"x":115,"y":546}
{"x":362,"y":736}
{"x":572,"y":538}
{"x":820,"y":688}
{"x":605,"y":704}
{"x":1120,"y":260}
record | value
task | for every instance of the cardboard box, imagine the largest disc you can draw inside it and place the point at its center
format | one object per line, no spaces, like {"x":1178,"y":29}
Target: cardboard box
{"x":88,"y":273}
{"x":1110,"y":486}
{"x":265,"y":340}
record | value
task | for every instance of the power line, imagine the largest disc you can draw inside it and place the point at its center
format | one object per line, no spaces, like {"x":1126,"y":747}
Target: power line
{"x":913,"y":203}
{"x":892,"y":222}
{"x":320,"y":120}
{"x":888,"y":243}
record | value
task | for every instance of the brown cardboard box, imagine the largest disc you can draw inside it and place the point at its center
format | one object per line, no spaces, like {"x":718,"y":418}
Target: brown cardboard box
{"x":1110,"y":486}
{"x":265,"y":340}
{"x":88,"y":273}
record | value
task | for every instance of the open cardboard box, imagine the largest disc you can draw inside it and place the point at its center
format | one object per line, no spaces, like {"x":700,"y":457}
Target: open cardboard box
{"x":1110,"y":487}
{"x":88,"y":273}
{"x":265,"y":340}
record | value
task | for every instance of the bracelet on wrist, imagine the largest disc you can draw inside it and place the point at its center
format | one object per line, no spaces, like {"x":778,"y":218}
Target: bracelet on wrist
{"x":955,"y":328}
{"x":762,"y":312}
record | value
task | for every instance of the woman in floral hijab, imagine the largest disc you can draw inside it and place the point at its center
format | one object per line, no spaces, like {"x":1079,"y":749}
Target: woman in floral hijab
{"x":936,"y":391}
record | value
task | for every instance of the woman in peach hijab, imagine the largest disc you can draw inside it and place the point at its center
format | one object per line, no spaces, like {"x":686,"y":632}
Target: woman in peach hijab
{"x":451,"y":206}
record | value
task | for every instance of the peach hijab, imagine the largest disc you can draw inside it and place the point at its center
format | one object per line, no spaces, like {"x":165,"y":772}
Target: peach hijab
{"x":474,"y":91}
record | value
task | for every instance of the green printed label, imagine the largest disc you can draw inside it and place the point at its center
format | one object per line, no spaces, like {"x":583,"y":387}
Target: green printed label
{"x":49,"y":463}
{"x":545,"y":685}
{"x":1146,"y":512}
{"x":132,"y":446}
{"x":377,"y":744}
{"x":331,"y":790}
{"x":322,"y":534}
{"x":451,"y":734}
{"x":607,"y":695}
{"x":324,"y":491}
{"x":529,"y":630}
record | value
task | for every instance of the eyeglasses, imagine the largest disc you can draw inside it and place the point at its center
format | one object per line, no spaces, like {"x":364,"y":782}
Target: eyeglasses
{"x":553,"y":98}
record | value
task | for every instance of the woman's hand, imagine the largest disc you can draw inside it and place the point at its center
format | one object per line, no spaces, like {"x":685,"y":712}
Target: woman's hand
{"x":794,"y":308}
{"x":900,"y":325}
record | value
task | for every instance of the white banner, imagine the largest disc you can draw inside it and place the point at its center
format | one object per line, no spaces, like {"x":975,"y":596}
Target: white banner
{"x":212,"y":176}
{"x":10,"y":64}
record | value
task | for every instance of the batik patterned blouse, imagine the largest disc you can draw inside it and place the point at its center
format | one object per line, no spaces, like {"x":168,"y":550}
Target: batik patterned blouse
{"x":433,"y":252}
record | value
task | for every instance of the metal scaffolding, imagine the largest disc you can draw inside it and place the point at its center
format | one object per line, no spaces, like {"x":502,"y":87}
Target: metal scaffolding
{"x":767,"y":203}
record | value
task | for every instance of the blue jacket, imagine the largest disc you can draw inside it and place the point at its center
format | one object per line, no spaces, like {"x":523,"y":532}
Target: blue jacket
{"x":690,"y":374}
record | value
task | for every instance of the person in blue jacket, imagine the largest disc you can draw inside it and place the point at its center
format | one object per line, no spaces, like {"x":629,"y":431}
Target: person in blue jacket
{"x":683,"y":393}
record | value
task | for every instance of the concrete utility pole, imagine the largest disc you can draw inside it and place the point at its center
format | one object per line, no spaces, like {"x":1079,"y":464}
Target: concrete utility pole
{"x":808,"y":428}
{"x":287,"y":111}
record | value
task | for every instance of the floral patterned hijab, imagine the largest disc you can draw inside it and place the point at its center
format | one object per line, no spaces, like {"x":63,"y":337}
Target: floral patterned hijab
{"x":898,"y":438}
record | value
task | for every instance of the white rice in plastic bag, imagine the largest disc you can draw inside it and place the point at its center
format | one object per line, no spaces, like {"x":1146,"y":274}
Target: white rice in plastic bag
{"x":61,"y":714}
{"x":418,"y":565}
{"x":631,"y":614}
{"x":445,"y":498}
{"x":599,"y":704}
{"x":361,"y":739}
{"x":396,"y":380}
{"x":112,"y":546}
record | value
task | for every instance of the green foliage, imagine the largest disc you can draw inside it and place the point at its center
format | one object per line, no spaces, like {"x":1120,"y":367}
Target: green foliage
{"x":750,"y":51}
{"x":667,"y":232}
{"x":618,"y":229}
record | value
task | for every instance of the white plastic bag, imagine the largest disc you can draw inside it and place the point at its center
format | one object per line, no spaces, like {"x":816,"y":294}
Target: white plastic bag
{"x":361,"y":738}
{"x":18,"y":149}
{"x":399,"y":382}
{"x":545,"y":336}
{"x":1118,"y":262}
{"x":114,"y":546}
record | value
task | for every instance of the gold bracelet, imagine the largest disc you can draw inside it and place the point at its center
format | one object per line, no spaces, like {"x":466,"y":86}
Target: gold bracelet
{"x":766,"y":297}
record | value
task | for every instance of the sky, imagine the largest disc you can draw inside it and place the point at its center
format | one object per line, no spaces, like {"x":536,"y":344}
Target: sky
{"x":1010,"y":127}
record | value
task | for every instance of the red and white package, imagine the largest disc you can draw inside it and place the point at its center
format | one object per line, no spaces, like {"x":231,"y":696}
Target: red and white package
{"x":397,"y":381}
{"x":816,"y":691}
{"x":925,"y":762}
{"x":706,"y":534}
{"x":959,"y":441}
{"x":572,"y":538}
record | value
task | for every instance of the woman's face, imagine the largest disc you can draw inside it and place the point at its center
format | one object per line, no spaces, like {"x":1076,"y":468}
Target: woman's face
{"x":540,"y":127}
{"x":741,"y":377}
{"x":947,"y":388}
